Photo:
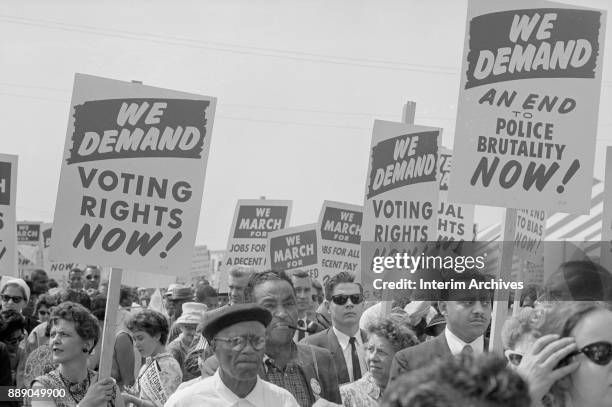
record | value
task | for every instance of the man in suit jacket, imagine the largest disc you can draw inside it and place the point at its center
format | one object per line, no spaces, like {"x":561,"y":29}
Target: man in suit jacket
{"x":344,"y":339}
{"x":467,"y":313}
{"x":306,"y":323}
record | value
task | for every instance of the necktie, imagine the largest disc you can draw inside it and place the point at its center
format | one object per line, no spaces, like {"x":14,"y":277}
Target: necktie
{"x":301,"y":334}
{"x":468,"y":350}
{"x":355,"y":359}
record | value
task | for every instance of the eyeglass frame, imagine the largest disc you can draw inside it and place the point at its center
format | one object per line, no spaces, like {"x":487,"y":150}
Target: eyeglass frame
{"x":515,"y":358}
{"x":584,"y":348}
{"x":7,"y":298}
{"x":360,"y":298}
{"x":243,"y":339}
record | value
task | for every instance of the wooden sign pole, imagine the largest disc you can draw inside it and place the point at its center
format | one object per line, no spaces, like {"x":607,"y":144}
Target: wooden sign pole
{"x":500,"y":304}
{"x":110,"y":318}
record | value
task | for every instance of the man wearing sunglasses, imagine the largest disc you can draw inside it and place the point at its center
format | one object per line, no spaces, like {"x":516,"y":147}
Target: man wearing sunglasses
{"x":467,"y":313}
{"x":236,"y":335}
{"x":344,"y":340}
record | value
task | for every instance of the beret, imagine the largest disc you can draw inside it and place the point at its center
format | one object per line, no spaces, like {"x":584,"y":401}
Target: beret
{"x":223,"y":317}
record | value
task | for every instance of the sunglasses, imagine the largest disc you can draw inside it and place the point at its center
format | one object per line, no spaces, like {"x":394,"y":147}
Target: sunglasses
{"x":341,"y":299}
{"x":599,"y":353}
{"x":16,"y":300}
{"x":514,"y":358}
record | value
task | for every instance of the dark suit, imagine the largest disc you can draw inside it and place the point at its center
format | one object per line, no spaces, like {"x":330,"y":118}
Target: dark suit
{"x":418,"y":356}
{"x":327,"y":339}
{"x":315,"y":363}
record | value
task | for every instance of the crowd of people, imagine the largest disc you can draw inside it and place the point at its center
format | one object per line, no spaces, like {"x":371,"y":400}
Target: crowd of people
{"x":285,"y":339}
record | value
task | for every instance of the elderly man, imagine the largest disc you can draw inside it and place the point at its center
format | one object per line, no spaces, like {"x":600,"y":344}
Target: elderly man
{"x":236,"y":283}
{"x":308,"y":372}
{"x":236,"y":335}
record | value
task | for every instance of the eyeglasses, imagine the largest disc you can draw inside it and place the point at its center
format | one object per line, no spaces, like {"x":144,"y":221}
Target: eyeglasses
{"x":341,"y":299}
{"x":16,"y":300}
{"x":599,"y":353}
{"x":238,"y":343}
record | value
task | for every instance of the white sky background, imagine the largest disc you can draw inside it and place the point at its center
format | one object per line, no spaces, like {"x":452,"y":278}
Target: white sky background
{"x":298,"y":83}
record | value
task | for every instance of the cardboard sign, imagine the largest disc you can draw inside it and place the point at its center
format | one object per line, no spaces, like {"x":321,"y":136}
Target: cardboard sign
{"x":530,"y":232}
{"x":55,"y":269}
{"x":401,"y":196}
{"x":132,"y":175}
{"x":8,"y":216}
{"x":340,"y":244}
{"x":295,"y":248}
{"x":150,"y":383}
{"x":530,"y":83}
{"x":247,"y":244}
{"x":606,"y":230}
{"x":200,"y":263}
{"x":29,"y":247}
{"x":455,"y":220}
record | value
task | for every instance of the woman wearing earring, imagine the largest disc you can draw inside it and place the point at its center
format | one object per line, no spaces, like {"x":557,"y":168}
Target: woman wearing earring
{"x":150,"y":332}
{"x":74,"y":333}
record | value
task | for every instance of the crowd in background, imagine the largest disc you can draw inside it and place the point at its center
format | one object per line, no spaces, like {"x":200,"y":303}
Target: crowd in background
{"x":286,"y":339}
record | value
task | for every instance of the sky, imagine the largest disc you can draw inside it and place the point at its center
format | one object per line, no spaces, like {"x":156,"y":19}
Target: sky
{"x":299,"y":84}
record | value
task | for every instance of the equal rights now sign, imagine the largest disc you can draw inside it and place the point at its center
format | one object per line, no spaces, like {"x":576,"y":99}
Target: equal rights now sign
{"x":132,"y":175}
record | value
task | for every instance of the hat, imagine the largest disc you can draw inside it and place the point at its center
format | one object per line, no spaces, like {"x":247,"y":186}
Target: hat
{"x":224,"y":317}
{"x":438,"y":319}
{"x":171,"y":287}
{"x":18,"y":282}
{"x":181,"y":293}
{"x":193,"y":312}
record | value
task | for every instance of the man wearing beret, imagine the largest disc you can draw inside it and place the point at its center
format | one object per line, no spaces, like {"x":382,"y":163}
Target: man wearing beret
{"x":308,"y":372}
{"x":237,"y":337}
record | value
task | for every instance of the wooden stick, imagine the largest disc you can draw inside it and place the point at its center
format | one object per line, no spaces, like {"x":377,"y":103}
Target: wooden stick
{"x":517,"y":293}
{"x":500,"y":305}
{"x":110,"y":318}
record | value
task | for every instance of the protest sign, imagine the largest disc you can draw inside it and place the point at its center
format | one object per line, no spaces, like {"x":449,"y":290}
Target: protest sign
{"x":151,"y":385}
{"x":247,"y":244}
{"x":200,"y":264}
{"x":401,"y":195}
{"x":8,"y":216}
{"x":455,"y":220}
{"x":531,"y":82}
{"x":132,"y":175}
{"x":606,"y":230}
{"x":29,"y":247}
{"x":56,"y":270}
{"x":340,"y":231}
{"x":530,"y":231}
{"x":295,"y":248}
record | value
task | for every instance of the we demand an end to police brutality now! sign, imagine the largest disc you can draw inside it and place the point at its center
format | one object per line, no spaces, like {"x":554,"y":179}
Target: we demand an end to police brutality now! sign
{"x":528,"y":105}
{"x":132,"y":175}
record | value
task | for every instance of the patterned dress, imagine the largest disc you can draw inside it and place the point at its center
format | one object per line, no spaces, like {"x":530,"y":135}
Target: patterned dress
{"x":75,"y":392}
{"x":361,"y":393}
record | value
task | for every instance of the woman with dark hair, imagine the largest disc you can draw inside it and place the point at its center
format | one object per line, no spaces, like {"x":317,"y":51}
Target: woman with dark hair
{"x":42,"y":309}
{"x":73,"y":334}
{"x":150,"y":332}
{"x":589,"y":324}
{"x":385,"y":337}
{"x":12,"y":333}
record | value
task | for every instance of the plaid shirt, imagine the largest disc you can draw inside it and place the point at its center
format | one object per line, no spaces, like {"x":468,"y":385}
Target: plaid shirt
{"x":290,"y":378}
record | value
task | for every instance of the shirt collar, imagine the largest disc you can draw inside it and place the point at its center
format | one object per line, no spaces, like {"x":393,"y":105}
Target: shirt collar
{"x":456,"y":345}
{"x":255,"y":397}
{"x":344,"y":339}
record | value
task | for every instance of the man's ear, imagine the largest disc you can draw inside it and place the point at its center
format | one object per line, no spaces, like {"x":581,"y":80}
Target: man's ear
{"x":442,"y":305}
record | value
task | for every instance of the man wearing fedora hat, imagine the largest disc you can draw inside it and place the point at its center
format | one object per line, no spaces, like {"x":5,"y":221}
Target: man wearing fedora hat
{"x":176,"y":296}
{"x":237,"y":336}
{"x":191,"y":316}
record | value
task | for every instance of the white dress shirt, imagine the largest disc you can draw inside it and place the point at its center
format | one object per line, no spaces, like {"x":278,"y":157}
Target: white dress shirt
{"x":211,"y":392}
{"x":346,"y":350}
{"x":456,"y":345}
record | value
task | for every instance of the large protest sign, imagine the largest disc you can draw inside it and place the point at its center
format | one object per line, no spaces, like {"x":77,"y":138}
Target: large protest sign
{"x":529,"y":234}
{"x":200,"y":264}
{"x":56,"y":270}
{"x":401,"y":195}
{"x":530,"y":83}
{"x":132,"y":175}
{"x":8,"y":216}
{"x":247,"y":244}
{"x":455,"y":220}
{"x":29,"y":247}
{"x":340,"y":232}
{"x":295,"y":248}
